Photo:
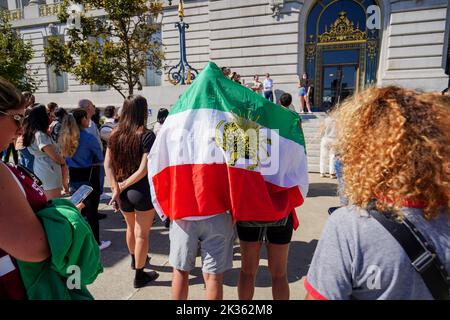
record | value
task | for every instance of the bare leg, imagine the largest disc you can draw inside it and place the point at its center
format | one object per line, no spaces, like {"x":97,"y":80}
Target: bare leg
{"x":130,"y":220}
{"x":214,"y":286}
{"x":308,"y":104}
{"x":144,"y":221}
{"x":180,"y":284}
{"x":302,"y":104}
{"x":250,"y":252}
{"x":278,"y":256}
{"x":65,"y":179}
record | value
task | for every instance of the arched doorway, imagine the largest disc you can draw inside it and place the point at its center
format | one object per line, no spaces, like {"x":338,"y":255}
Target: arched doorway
{"x":341,"y":53}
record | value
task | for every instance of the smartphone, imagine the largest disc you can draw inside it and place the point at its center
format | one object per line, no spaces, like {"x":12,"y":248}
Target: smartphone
{"x":81,"y":194}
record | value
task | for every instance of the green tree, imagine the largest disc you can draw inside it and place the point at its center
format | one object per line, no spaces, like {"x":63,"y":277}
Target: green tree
{"x":109,"y":50}
{"x":15,"y":54}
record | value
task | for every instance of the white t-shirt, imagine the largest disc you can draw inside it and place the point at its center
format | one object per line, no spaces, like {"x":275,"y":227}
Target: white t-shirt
{"x":268,"y":84}
{"x":105,"y":130}
{"x":330,"y":128}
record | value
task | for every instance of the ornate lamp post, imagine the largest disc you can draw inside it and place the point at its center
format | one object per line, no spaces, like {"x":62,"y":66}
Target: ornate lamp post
{"x":182,"y":73}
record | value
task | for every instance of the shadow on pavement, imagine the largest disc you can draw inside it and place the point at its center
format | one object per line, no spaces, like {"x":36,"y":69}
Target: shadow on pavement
{"x":113,"y":228}
{"x":322,"y":190}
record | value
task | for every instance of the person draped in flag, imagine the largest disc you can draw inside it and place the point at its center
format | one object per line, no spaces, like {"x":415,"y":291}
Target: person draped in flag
{"x":276,"y":238}
{"x":224,"y":154}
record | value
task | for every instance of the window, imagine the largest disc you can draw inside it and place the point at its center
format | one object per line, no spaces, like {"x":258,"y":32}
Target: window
{"x":4,"y":4}
{"x":56,"y":82}
{"x":153,"y":77}
{"x":341,"y":53}
{"x":95,"y":87}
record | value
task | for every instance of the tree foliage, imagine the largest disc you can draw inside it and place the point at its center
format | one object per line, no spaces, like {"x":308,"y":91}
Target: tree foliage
{"x":15,"y":54}
{"x":109,"y":50}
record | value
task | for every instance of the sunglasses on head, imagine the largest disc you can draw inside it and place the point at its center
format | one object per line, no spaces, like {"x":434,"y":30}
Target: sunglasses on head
{"x":18,"y":118}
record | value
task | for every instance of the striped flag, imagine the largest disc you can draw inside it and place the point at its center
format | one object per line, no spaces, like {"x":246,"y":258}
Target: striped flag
{"x":225,"y":148}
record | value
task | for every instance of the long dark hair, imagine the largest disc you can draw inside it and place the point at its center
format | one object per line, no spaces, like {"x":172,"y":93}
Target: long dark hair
{"x":37,"y":121}
{"x":125,"y":141}
{"x":60,"y":114}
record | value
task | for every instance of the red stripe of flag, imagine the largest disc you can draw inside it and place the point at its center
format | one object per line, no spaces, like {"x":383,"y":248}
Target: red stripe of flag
{"x":204,"y":189}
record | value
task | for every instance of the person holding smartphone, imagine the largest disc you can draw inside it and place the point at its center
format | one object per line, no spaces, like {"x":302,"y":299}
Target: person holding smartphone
{"x":126,"y":169}
{"x":21,"y":234}
{"x":82,"y":152}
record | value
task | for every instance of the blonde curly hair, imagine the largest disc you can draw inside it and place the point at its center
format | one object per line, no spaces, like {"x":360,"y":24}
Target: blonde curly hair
{"x":394,"y":145}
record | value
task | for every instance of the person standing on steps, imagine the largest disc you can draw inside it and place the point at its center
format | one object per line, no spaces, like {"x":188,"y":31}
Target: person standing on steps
{"x":268,"y":88}
{"x":304,"y":86}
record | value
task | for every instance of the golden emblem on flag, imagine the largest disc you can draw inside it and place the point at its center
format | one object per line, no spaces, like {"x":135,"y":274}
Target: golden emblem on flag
{"x":242,"y":139}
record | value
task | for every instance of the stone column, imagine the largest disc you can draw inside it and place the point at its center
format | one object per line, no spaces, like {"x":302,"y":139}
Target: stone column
{"x":32,"y":10}
{"x":12,"y":5}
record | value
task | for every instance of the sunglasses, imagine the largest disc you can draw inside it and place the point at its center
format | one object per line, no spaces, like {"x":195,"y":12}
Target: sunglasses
{"x":18,"y":118}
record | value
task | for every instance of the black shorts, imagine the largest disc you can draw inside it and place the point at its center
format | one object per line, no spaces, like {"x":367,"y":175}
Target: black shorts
{"x":274,"y":235}
{"x":136,"y":197}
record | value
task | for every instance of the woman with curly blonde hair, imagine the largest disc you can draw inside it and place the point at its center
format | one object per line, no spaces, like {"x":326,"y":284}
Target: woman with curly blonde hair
{"x":395,"y":150}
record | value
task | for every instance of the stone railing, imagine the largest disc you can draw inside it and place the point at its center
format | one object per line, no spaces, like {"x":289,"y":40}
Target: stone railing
{"x":46,"y":10}
{"x":16,"y":14}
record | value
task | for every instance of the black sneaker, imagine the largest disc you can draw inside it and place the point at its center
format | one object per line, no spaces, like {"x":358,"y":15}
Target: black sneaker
{"x":146,"y":277}
{"x":102,"y":216}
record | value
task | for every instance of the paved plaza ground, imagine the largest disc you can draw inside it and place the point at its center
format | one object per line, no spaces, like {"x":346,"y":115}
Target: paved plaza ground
{"x":116,"y":282}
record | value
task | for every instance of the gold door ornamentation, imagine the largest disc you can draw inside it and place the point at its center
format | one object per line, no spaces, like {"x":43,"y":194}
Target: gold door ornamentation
{"x":342,"y":29}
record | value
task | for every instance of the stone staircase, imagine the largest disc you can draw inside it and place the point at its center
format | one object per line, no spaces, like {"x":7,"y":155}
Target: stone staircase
{"x":311,"y":130}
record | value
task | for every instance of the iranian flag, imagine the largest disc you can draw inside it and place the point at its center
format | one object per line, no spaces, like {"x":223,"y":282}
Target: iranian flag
{"x":225,"y":148}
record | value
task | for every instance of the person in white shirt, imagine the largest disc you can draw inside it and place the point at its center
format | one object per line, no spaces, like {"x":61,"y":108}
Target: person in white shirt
{"x":327,"y":146}
{"x":268,"y":88}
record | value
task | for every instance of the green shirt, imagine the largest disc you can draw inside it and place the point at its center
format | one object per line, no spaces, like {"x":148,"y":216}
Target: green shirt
{"x":75,"y":256}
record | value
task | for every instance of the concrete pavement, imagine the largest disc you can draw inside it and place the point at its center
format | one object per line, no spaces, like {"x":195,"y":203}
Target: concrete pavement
{"x":116,"y":282}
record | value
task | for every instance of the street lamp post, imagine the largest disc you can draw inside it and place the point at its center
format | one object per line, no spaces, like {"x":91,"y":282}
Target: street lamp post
{"x":182,"y":73}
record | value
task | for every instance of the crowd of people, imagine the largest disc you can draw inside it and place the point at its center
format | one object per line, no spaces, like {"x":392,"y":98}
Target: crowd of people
{"x":393,"y":146}
{"x":65,"y":151}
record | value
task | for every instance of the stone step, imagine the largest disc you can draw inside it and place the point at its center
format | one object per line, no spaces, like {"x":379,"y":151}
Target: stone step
{"x":312,"y":140}
{"x":313,"y":160}
{"x":312,"y":124}
{"x":311,"y":131}
{"x":313,"y":167}
{"x":313,"y":152}
{"x":312,"y":147}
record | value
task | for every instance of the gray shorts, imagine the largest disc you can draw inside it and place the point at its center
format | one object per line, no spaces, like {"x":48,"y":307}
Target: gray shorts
{"x":214,"y":236}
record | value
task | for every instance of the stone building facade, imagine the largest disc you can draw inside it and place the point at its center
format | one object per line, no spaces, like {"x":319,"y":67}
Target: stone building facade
{"x":331,"y":40}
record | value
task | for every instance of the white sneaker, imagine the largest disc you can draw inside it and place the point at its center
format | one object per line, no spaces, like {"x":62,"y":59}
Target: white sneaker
{"x":104,"y":244}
